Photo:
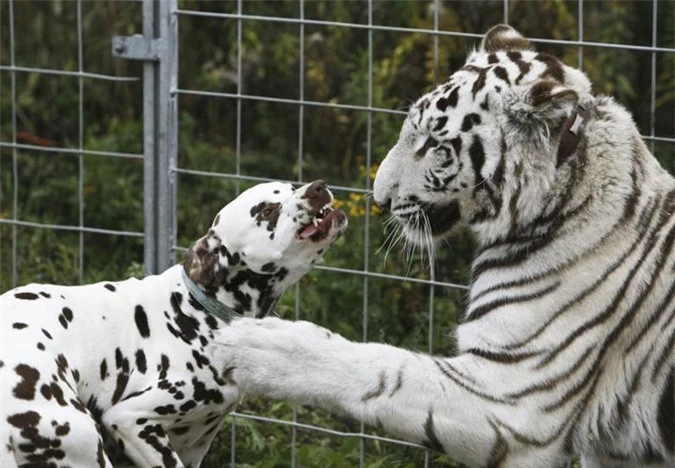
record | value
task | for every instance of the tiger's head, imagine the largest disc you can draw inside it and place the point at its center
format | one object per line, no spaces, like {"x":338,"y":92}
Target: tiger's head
{"x":483,"y":147}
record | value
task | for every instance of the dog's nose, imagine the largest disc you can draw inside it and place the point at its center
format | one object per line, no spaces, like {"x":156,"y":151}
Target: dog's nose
{"x":316,"y":189}
{"x":318,"y":195}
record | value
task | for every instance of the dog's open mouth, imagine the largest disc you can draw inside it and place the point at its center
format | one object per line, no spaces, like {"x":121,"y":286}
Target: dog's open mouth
{"x":321,"y":224}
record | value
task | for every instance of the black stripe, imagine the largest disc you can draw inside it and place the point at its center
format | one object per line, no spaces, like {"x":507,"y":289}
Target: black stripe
{"x":477,"y":155}
{"x":613,"y":306}
{"x":377,"y":391}
{"x":484,"y":309}
{"x":432,"y":441}
{"x":653,"y":319}
{"x":500,"y":449}
{"x":445,"y":368}
{"x":554,"y":381}
{"x":608,"y":271}
{"x":666,"y":414}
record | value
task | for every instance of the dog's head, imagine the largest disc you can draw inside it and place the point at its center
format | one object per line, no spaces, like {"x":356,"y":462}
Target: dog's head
{"x":269,"y":236}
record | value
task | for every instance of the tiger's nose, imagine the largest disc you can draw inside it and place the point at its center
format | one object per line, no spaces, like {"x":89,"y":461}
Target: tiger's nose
{"x":317,"y":194}
{"x":385,"y":205}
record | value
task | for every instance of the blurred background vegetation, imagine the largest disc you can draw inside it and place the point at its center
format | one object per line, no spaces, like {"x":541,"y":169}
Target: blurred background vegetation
{"x":337,"y":144}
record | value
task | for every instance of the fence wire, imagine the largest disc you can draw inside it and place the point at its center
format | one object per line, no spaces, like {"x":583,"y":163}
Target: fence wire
{"x":14,"y":146}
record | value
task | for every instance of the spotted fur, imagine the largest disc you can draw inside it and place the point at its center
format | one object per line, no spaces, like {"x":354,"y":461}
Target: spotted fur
{"x":125,"y":372}
{"x":568,"y":340}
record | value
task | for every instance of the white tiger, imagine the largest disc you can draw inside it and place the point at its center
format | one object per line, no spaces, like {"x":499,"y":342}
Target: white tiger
{"x":567,"y":345}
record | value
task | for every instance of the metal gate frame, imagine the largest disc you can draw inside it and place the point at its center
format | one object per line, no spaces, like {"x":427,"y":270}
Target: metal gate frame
{"x":157,"y":47}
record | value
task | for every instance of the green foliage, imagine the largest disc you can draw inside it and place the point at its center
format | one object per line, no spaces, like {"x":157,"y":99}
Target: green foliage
{"x":340,"y":145}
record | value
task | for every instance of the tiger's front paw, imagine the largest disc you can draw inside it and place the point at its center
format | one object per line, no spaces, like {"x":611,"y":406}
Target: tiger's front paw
{"x":269,"y":356}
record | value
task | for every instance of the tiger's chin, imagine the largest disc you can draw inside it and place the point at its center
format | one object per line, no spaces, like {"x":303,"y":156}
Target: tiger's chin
{"x":431,"y":223}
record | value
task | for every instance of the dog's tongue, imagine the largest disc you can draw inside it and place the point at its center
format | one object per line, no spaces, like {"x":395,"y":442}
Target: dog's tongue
{"x":308,"y":231}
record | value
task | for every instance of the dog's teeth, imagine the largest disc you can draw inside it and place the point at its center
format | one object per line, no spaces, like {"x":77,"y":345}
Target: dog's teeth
{"x":315,"y":222}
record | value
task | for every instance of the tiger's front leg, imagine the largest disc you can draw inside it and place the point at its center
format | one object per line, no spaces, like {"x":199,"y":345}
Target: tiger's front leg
{"x":444,"y":404}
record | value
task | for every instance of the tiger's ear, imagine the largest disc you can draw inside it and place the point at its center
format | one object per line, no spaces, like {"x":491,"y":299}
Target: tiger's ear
{"x":504,"y":38}
{"x":545,"y":101}
{"x":552,"y":100}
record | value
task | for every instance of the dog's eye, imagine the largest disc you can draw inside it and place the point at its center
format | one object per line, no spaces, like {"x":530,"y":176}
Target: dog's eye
{"x":266,"y":212}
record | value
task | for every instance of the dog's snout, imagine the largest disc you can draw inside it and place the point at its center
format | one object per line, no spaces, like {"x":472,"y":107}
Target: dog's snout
{"x":318,"y":195}
{"x":316,"y":189}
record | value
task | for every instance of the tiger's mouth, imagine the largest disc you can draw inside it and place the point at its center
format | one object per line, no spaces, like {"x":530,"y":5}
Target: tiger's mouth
{"x":426,"y":218}
{"x":322,"y":223}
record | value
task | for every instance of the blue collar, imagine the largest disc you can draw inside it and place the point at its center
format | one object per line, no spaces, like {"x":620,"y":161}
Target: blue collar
{"x":210,"y":304}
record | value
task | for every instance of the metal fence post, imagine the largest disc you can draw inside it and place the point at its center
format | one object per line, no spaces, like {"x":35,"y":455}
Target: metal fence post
{"x":158,"y":49}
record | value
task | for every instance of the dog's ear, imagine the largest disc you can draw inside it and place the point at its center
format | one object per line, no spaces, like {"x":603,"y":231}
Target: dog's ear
{"x":201,"y":262}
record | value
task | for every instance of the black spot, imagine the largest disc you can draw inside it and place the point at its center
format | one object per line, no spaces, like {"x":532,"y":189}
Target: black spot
{"x":120,"y":386}
{"x":194,"y":303}
{"x":24,"y":420}
{"x":492,"y":58}
{"x":25,"y":390}
{"x":211,"y":322}
{"x":119,"y":359}
{"x":46,"y":333}
{"x":141,"y":319}
{"x":103,"y":369}
{"x":187,"y":325}
{"x":155,"y":437}
{"x":269,"y":267}
{"x":110,"y":287}
{"x":502,"y":74}
{"x":187,"y":406}
{"x":469,"y":121}
{"x":206,"y":395}
{"x":200,"y":359}
{"x":453,"y":97}
{"x":44,"y":294}
{"x":62,"y":430}
{"x":440,"y":123}
{"x":163,"y":368}
{"x":41,"y":346}
{"x":166,"y":409}
{"x":141,"y":364}
{"x":29,"y":296}
{"x":19,"y":325}
{"x":68,"y":314}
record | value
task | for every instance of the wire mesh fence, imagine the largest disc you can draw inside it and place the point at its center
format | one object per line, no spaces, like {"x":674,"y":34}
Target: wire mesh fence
{"x":112,"y":167}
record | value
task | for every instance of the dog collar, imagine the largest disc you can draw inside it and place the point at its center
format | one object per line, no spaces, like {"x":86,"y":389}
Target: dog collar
{"x":572,"y":130}
{"x":210,"y":304}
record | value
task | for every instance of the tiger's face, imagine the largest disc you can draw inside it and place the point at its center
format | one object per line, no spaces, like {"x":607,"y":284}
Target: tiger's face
{"x":476,"y":145}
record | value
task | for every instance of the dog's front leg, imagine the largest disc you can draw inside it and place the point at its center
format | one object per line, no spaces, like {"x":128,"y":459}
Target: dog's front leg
{"x":140,"y":432}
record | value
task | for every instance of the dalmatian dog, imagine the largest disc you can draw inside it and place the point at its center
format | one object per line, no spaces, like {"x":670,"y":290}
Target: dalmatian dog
{"x":90,"y":373}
